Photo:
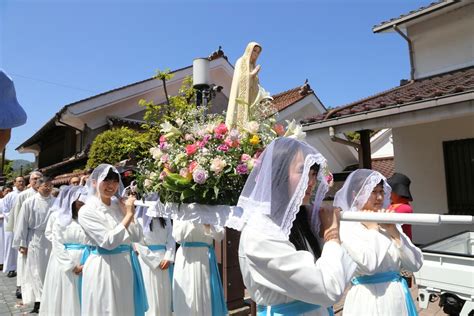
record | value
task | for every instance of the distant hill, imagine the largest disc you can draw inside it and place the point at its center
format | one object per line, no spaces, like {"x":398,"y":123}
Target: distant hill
{"x":16,"y":164}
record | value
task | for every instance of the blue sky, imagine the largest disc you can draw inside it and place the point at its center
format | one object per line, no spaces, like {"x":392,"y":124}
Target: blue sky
{"x":62,"y":51}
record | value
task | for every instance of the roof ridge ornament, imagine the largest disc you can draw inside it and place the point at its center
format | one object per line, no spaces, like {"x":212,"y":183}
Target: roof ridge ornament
{"x":305,"y":89}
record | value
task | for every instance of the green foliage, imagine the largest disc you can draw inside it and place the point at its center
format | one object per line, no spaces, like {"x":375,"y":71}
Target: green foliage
{"x":117,"y":144}
{"x":353,"y":136}
{"x":8,"y":169}
{"x":163,"y":75}
{"x":177,"y":106}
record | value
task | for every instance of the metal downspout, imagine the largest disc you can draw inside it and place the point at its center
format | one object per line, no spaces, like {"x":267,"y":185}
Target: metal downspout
{"x":410,"y":50}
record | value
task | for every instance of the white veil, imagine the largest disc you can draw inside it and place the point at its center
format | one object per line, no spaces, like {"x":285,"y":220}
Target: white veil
{"x":63,"y":203}
{"x":267,"y":188}
{"x":97,"y":176}
{"x":357,"y":189}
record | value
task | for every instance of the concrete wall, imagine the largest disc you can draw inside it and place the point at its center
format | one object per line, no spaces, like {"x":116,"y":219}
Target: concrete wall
{"x":419,"y":154}
{"x":444,"y":43}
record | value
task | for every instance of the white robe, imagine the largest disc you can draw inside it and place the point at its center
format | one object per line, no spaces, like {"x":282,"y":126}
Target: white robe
{"x":157,"y":281}
{"x":107,"y":284}
{"x":274,"y":272}
{"x":2,"y":235}
{"x":374,"y":252}
{"x":10,"y":254}
{"x":11,"y":227}
{"x":60,"y":291}
{"x":191,"y":284}
{"x":29,"y":233}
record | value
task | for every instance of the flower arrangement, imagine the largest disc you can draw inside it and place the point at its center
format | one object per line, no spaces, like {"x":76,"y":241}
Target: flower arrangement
{"x":199,"y":159}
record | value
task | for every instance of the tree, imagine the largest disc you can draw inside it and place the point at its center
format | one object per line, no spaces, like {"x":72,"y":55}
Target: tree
{"x":175,"y":107}
{"x":116,"y":145}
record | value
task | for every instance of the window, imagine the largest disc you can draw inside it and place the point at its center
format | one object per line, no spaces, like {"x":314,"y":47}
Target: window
{"x":459,"y":170}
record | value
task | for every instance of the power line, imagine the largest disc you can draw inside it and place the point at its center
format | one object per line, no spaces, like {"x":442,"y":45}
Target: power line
{"x":53,"y":83}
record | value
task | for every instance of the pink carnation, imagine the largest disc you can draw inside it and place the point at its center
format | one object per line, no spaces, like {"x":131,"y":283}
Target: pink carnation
{"x":223,"y":147}
{"x":231,"y":143}
{"x":221,"y":129}
{"x":242,"y":169}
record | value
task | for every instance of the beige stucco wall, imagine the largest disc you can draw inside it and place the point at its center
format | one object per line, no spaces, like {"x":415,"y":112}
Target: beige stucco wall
{"x":444,"y":43}
{"x":419,"y":154}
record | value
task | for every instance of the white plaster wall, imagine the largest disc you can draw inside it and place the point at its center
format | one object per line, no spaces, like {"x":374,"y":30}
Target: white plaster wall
{"x":339,"y":156}
{"x":443,"y":43}
{"x":419,"y":154}
{"x":381,"y":144}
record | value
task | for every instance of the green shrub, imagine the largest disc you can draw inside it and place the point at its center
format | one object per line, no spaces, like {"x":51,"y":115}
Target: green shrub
{"x":116,"y":145}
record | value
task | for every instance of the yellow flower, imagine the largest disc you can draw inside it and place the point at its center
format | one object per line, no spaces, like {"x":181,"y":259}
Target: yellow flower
{"x":254,"y":140}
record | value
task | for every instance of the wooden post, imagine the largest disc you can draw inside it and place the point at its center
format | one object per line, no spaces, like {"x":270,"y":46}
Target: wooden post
{"x":232,"y":279}
{"x":365,"y":148}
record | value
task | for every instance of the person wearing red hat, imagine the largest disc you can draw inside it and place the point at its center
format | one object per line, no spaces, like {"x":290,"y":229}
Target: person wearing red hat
{"x":401,"y":197}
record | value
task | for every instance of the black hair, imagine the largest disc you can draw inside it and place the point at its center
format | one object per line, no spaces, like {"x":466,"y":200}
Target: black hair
{"x":112,"y":176}
{"x":75,"y":209}
{"x":162,"y":223}
{"x":284,"y":152}
{"x":301,"y":234}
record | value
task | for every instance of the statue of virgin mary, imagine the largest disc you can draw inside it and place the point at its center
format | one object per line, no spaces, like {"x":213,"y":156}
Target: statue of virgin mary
{"x":245,"y":91}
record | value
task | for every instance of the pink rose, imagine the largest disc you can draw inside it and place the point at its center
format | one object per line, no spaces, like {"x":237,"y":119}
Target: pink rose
{"x":279,"y":129}
{"x":191,"y":149}
{"x":192,"y":166}
{"x":245,"y":157}
{"x":162,"y":139}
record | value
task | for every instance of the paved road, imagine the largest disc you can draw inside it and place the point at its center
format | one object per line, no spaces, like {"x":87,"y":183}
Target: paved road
{"x":9,"y":304}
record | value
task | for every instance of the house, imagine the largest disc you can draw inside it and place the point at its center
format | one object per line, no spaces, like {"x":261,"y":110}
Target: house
{"x":431,"y":116}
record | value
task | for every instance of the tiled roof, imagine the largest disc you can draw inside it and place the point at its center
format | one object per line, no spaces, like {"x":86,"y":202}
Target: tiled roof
{"x":284,"y":99}
{"x":385,"y":166}
{"x":419,"y":90}
{"x":413,"y":12}
{"x":65,"y":178}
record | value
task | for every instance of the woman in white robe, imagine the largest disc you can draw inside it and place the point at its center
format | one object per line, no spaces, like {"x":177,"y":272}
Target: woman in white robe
{"x":380,"y":250}
{"x":281,"y":264}
{"x":156,"y":257}
{"x":193,"y":270}
{"x":112,"y":280}
{"x":60,"y":291}
{"x":30,"y":239}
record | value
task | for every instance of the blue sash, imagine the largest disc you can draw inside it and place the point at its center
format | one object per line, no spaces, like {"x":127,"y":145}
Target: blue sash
{"x":139,"y":293}
{"x":389,"y":276}
{"x":289,"y":309}
{"x":219,"y":306}
{"x":85,"y":254}
{"x":69,"y":246}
